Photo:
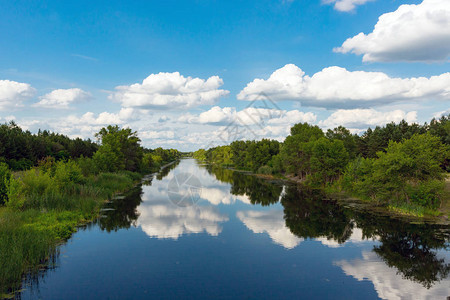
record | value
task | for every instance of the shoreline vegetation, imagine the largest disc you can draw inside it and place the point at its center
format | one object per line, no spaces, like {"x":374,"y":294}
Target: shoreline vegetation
{"x":402,"y":168}
{"x":45,"y":196}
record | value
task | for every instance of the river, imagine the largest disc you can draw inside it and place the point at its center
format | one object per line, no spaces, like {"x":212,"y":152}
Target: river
{"x":201,"y":232}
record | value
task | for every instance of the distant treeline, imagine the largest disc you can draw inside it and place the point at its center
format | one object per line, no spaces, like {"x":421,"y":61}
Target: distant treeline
{"x":121,"y":149}
{"x":397,"y":163}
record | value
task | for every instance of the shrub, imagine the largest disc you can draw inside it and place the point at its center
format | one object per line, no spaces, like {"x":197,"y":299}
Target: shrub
{"x":265,"y":170}
{"x":5,"y":174}
{"x":47,"y":165}
{"x":16,"y":195}
{"x":87,"y":166}
{"x":21,"y":164}
{"x":426,"y":193}
{"x":68,"y":173}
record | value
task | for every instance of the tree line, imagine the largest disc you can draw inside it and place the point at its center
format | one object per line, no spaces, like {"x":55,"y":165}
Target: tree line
{"x":115,"y":149}
{"x":51,"y":157}
{"x":397,"y":164}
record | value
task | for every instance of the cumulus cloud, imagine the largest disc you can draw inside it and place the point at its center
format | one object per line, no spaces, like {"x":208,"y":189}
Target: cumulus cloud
{"x":355,"y":119}
{"x":248,"y":116}
{"x":271,"y":222}
{"x":411,"y":33}
{"x":170,"y":91}
{"x":336,"y":87}
{"x":345,"y":5}
{"x":12,"y":93}
{"x":62,"y":98}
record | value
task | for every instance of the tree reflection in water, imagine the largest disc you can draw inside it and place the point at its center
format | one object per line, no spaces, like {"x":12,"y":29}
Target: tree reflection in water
{"x":410,"y":248}
{"x":122,"y":212}
{"x":259,"y":191}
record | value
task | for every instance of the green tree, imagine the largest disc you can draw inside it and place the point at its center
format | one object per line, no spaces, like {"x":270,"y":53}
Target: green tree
{"x":123,"y":147}
{"x":328,"y":160}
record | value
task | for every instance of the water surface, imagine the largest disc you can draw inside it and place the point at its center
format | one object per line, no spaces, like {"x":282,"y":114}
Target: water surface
{"x":238,"y":236}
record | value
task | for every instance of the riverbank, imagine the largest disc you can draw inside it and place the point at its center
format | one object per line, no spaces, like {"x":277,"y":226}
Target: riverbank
{"x":411,"y":213}
{"x":29,"y":236}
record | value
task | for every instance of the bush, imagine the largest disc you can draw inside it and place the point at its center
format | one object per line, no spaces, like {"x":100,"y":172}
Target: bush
{"x":87,"y":166}
{"x":36,"y":182}
{"x":47,"y":165}
{"x":68,"y":173}
{"x":5,"y":174}
{"x":106,"y":160}
{"x":16,"y":195}
{"x":265,"y":170}
{"x":426,"y":193}
{"x":21,"y":164}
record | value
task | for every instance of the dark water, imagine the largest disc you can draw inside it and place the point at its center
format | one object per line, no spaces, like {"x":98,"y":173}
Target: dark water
{"x":232,"y":235}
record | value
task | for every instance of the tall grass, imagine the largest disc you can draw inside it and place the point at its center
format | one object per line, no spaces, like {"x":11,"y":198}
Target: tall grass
{"x":22,"y":248}
{"x":43,"y":208}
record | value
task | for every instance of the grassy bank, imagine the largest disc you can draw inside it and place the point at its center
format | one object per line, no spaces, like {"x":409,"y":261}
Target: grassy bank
{"x":43,"y":213}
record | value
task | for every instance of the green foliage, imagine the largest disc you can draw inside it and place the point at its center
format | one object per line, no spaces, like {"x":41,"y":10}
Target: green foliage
{"x":306,"y":132}
{"x":401,"y":163}
{"x":328,"y":160}
{"x":68,"y":173}
{"x":200,"y":154}
{"x":107,"y":160}
{"x":15,"y":193}
{"x":148,"y":164}
{"x":87,"y":166}
{"x":373,"y":141}
{"x":22,"y":150}
{"x":296,"y":151}
{"x":349,"y":140}
{"x":47,"y":165}
{"x":407,"y":171}
{"x":5,"y":175}
{"x":21,"y":247}
{"x":426,"y":193}
{"x":120,"y":148}
{"x":265,"y":170}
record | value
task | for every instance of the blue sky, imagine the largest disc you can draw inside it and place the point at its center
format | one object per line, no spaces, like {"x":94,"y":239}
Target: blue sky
{"x":62,"y":61}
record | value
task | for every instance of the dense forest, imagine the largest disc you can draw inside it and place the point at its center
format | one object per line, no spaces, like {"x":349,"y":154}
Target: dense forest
{"x":401,"y":165}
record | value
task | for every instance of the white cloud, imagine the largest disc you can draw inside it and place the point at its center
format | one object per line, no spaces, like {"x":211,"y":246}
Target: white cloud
{"x":411,"y":33}
{"x":345,"y":5}
{"x":152,"y":134}
{"x":62,"y":98}
{"x":248,"y":116}
{"x":388,"y":283}
{"x":439,"y":114}
{"x":12,"y":93}
{"x":272,"y":222}
{"x":170,"y":91}
{"x":362,"y":118}
{"x":338,"y":87}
